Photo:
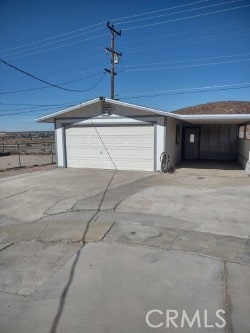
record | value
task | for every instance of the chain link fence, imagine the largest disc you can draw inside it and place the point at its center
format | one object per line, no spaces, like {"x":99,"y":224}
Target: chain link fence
{"x":20,"y":155}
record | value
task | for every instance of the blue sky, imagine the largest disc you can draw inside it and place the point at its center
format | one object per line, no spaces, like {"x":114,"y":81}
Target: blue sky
{"x":174,"y":54}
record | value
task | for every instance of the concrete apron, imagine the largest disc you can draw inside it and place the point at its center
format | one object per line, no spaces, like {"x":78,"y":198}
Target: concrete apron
{"x":114,"y":286}
{"x":137,"y":262}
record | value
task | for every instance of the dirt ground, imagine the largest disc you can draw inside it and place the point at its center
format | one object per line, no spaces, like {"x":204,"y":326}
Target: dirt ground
{"x":19,"y":171}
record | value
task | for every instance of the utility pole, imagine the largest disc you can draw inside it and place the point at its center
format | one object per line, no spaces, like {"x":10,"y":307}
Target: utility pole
{"x":114,"y":58}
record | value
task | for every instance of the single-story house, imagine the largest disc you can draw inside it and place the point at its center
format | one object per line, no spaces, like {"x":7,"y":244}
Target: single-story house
{"x":105,"y":133}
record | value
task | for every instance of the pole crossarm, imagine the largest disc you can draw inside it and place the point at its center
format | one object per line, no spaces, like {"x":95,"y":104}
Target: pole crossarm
{"x":111,"y":28}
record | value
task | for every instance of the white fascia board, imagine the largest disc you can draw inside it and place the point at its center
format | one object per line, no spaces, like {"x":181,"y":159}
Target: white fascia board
{"x":215,"y":118}
{"x":138,"y":107}
{"x":51,"y":116}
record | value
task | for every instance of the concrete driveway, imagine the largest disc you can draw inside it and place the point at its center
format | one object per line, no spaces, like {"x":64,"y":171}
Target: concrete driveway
{"x":104,"y":251}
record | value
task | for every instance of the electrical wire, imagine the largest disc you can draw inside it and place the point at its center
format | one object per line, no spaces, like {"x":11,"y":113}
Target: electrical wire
{"x":98,"y":24}
{"x":22,"y":112}
{"x":189,"y":41}
{"x":187,"y":91}
{"x":157,"y":11}
{"x":181,"y":12}
{"x":50,"y":38}
{"x":191,"y":60}
{"x":172,"y":92}
{"x":146,"y":39}
{"x":97,"y":29}
{"x":46,"y":82}
{"x":184,"y":66}
{"x":184,"y":18}
{"x":48,"y":107}
{"x":44,"y":87}
{"x":62,"y":83}
{"x":60,"y":46}
{"x":55,"y":42}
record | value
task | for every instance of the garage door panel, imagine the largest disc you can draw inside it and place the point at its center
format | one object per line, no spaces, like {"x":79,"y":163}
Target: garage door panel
{"x":131,"y":147}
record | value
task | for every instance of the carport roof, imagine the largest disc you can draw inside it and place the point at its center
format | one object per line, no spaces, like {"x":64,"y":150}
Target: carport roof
{"x":190,"y":118}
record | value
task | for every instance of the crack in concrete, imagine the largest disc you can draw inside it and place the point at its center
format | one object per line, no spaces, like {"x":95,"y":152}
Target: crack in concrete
{"x":114,"y":188}
{"x":77,"y":256}
{"x":109,"y":229}
{"x":6,"y":247}
{"x":13,"y":195}
{"x":175,"y":239}
{"x":14,"y":294}
{"x":118,"y":204}
{"x":227,"y":302}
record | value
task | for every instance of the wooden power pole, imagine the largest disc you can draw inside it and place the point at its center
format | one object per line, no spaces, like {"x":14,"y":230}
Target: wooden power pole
{"x":113,"y":58}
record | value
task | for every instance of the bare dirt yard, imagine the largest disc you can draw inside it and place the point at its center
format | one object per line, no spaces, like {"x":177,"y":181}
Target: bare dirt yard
{"x":16,"y":161}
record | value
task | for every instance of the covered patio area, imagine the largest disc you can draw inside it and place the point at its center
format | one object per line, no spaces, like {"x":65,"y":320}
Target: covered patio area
{"x":209,"y":141}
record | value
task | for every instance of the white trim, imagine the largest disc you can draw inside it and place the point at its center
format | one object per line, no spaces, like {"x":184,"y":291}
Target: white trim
{"x":212,"y":118}
{"x":215,"y":118}
{"x":50,"y":117}
{"x":72,"y":108}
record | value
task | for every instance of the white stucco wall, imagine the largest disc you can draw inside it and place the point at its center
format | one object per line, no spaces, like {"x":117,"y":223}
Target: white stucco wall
{"x":244,"y":153}
{"x":173,"y":149}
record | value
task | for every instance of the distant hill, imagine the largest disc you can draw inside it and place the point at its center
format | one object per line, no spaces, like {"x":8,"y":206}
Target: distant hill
{"x":224,"y":107}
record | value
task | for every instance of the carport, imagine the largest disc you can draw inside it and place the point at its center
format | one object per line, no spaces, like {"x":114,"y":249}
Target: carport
{"x":209,"y":137}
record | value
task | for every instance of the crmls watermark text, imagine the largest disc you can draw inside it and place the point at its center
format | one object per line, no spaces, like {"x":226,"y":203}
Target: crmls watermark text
{"x":156,"y":318}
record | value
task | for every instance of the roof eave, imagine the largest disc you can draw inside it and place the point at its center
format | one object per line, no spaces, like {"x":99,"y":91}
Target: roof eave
{"x":50,"y":117}
{"x":215,"y":118}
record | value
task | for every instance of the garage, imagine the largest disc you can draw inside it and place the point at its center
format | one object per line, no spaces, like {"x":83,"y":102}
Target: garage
{"x":109,"y":134}
{"x":108,"y":147}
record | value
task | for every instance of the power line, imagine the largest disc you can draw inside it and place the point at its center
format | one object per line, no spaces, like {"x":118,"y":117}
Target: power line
{"x":135,"y":42}
{"x":60,"y":46}
{"x":157,"y":11}
{"x":46,"y":82}
{"x":22,"y":112}
{"x":96,"y":25}
{"x":55,"y":42}
{"x":46,"y":87}
{"x":55,"y":106}
{"x":187,"y":90}
{"x":50,"y":38}
{"x":181,"y":12}
{"x":35,"y":107}
{"x":183,"y":91}
{"x":184,"y":66}
{"x":18,"y":55}
{"x":190,"y":60}
{"x":184,"y":18}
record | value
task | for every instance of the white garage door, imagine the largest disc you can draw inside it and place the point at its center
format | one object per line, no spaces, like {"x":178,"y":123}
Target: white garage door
{"x":131,"y":147}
